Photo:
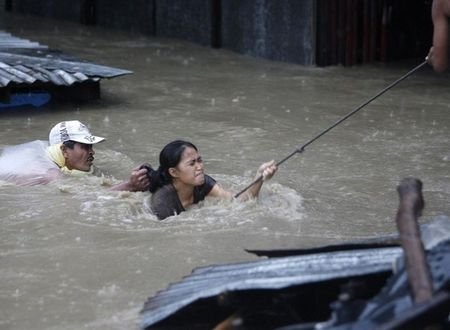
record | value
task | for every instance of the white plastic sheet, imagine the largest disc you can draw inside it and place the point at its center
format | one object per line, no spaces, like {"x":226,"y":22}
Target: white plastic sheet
{"x":27,"y":163}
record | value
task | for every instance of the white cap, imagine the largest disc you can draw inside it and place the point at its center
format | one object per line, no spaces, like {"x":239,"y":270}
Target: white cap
{"x":72,"y":130}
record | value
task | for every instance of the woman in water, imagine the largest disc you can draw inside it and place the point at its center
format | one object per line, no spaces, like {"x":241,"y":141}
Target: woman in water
{"x":180,"y":181}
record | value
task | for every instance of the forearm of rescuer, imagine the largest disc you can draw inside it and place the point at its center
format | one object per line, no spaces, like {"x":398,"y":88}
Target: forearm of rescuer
{"x":138,"y":181}
{"x":438,"y":54}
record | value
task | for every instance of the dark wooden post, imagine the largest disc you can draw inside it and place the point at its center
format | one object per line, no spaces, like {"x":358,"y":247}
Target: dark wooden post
{"x":410,"y":208}
{"x":88,"y":12}
{"x":348,"y":33}
{"x":216,"y":23}
{"x":373,"y":31}
{"x":366,"y":33}
{"x":8,"y":5}
{"x":384,"y":31}
{"x":333,"y":19}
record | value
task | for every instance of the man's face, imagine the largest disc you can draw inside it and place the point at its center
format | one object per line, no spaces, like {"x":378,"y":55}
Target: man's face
{"x":80,"y":157}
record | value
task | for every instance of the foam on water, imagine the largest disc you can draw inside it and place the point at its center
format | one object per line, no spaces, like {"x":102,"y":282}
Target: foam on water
{"x":88,"y":201}
{"x":130,"y":211}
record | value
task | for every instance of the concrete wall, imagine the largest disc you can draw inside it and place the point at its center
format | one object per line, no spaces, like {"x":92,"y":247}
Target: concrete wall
{"x":280,"y":30}
{"x":182,"y":19}
{"x":275,"y":29}
{"x":130,"y":15}
{"x":64,"y":10}
{"x":189,"y":20}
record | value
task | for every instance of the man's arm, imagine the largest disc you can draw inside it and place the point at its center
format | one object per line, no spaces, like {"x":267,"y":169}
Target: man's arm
{"x":138,"y":181}
{"x":438,"y":55}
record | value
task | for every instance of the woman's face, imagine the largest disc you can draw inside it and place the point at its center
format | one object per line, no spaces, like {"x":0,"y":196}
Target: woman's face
{"x":80,"y":157}
{"x":190,"y":168}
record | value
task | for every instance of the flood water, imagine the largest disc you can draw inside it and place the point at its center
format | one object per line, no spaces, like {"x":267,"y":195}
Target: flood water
{"x":75,"y":255}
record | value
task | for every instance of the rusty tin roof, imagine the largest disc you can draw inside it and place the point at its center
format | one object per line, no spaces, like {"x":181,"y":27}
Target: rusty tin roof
{"x":25,"y":62}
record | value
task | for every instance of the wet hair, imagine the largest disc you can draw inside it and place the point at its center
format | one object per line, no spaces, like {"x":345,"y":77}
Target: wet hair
{"x":170,"y":156}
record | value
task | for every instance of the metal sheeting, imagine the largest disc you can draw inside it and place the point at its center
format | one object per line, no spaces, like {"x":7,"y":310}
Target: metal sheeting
{"x":9,"y":41}
{"x":274,"y":273}
{"x":26,"y":62}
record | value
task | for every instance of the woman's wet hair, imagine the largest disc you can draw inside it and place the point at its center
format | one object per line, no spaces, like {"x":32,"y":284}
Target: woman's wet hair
{"x":170,"y":156}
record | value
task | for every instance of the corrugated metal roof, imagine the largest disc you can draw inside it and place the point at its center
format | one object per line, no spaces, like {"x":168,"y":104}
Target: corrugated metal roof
{"x":26,"y":62}
{"x":9,"y":41}
{"x":274,"y":273}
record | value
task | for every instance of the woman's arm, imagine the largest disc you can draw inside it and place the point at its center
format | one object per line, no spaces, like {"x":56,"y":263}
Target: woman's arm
{"x":219,"y":192}
{"x":266,"y":170}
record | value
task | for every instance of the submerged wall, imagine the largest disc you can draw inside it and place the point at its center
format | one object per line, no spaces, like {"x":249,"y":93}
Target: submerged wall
{"x":192,"y":20}
{"x":322,"y":32}
{"x":65,"y":10}
{"x":279,"y":30}
{"x":130,"y":15}
{"x":274,"y":29}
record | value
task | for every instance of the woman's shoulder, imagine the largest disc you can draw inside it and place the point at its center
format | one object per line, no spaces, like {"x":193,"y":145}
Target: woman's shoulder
{"x":165,"y":202}
{"x":209,"y":181}
{"x":202,"y":191}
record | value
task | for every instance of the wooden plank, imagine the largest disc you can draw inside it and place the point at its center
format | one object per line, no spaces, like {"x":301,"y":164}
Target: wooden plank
{"x":333,"y":32}
{"x":409,"y":211}
{"x":356,"y":15}
{"x":341,"y":31}
{"x":373,"y":31}
{"x":348,"y":33}
{"x":384,"y":31}
{"x":366,"y":31}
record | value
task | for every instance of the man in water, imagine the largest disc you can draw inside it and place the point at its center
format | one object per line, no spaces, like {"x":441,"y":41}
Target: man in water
{"x":69,"y":151}
{"x":438,"y":54}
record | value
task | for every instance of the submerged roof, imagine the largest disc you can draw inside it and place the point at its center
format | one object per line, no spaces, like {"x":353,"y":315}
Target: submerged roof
{"x":316,"y":266}
{"x":273,"y":273}
{"x":27,"y":62}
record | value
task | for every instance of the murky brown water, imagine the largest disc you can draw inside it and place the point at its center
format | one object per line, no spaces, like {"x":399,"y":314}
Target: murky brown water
{"x":74,"y":255}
